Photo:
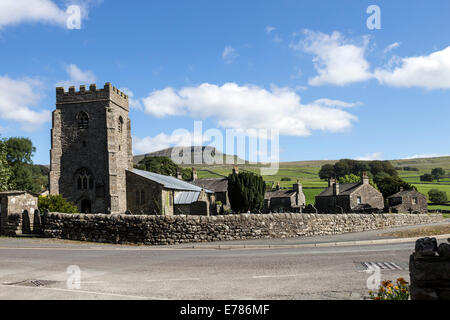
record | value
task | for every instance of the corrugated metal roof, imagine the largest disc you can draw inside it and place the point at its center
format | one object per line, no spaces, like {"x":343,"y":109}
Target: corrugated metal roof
{"x":186,"y":197}
{"x":168,"y":181}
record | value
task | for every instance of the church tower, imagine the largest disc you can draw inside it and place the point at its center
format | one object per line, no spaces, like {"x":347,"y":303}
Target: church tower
{"x":91,"y":148}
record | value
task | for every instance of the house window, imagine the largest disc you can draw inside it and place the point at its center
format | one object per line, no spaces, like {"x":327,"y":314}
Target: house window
{"x":83,"y":120}
{"x":358,"y":200}
{"x":414,"y":200}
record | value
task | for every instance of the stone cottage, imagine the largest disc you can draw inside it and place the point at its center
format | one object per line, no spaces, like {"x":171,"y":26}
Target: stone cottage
{"x":91,"y":160}
{"x":349,"y":197}
{"x":284,"y":200}
{"x":152,"y":193}
{"x":408,"y":201}
{"x":17,"y":202}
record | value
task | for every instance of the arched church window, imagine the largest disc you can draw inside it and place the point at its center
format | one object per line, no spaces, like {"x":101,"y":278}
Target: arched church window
{"x":85,"y":180}
{"x":120,"y":125}
{"x":83,"y":120}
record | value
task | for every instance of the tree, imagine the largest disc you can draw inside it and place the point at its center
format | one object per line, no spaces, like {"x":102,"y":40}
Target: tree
{"x":326,"y":172}
{"x":389,"y":185}
{"x":348,"y":166}
{"x":25,"y":175}
{"x":56,"y":203}
{"x":19,"y":150}
{"x":437,"y":196}
{"x":353,"y":178}
{"x":163,"y":165}
{"x":437,"y":173}
{"x":426,"y":177}
{"x":5,"y":169}
{"x":246,"y":191}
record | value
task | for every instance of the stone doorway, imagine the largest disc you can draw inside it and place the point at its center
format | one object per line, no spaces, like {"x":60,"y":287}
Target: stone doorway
{"x":85,"y":206}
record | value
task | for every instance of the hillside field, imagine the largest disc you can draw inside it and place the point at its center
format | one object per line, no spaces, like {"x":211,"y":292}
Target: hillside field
{"x":307,"y":173}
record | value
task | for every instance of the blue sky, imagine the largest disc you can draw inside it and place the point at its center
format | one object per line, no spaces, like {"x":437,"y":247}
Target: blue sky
{"x":312,"y":70}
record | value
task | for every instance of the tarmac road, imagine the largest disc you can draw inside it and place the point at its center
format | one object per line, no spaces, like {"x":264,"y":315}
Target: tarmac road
{"x":38,"y":269}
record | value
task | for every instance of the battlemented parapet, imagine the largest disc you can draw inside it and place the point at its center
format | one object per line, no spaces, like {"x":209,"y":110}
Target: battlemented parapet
{"x":108,"y":93}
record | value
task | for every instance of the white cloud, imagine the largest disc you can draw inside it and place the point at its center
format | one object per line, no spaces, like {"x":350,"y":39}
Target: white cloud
{"x":134,"y":103}
{"x":336,"y":103}
{"x":249,"y":108}
{"x":276,"y":37}
{"x":229,"y":54}
{"x":371,"y":156}
{"x":16,"y":99}
{"x":164,"y":141}
{"x":430,"y":72}
{"x":336,"y":60}
{"x":269,"y":29}
{"x":429,"y":155}
{"x":14,"y":12}
{"x":391,"y":47}
{"x":77,"y":77}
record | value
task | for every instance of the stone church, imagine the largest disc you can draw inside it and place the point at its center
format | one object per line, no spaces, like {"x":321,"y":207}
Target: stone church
{"x":91,"y":160}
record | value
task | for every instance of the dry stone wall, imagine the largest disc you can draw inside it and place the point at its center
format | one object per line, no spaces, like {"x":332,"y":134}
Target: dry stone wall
{"x":161,"y":230}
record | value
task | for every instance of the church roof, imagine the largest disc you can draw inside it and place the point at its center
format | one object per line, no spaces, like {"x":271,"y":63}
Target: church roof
{"x":168,"y":181}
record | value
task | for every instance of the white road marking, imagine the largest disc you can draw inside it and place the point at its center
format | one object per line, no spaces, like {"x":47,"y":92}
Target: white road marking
{"x":276,"y":276}
{"x":161,"y":280}
{"x":83,"y":291}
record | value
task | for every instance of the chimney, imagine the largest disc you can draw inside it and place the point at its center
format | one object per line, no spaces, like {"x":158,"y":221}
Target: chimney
{"x":235,"y":169}
{"x":336,"y":188}
{"x":331,"y":181}
{"x":278,"y":185}
{"x":297,"y":187}
{"x":194,"y":174}
{"x":179,"y":175}
{"x":364,"y":178}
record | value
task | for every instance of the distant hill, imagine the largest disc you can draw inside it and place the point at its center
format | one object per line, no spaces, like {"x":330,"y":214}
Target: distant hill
{"x":195,"y":151}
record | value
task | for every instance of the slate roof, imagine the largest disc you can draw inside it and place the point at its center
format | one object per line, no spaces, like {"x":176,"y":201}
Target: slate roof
{"x":344,"y":189}
{"x":215,"y":184}
{"x":404,"y":193}
{"x":287,"y":193}
{"x":168,"y":181}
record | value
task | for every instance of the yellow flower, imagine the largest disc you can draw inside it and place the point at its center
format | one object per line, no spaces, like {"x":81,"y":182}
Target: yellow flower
{"x":385,"y":283}
{"x":402,"y":281}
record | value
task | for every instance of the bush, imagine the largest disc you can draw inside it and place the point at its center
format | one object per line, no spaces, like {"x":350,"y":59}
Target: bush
{"x":437,"y":196}
{"x":426,"y":177}
{"x":286,"y":179}
{"x":56,"y":203}
{"x":388,"y":291}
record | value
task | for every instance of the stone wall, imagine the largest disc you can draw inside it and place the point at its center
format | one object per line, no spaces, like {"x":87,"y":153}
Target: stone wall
{"x":160,"y":230}
{"x":429,"y":268}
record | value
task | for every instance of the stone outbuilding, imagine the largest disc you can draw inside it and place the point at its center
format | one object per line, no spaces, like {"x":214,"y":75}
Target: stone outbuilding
{"x":349,"y":197}
{"x":285,"y":200}
{"x":152,"y":193}
{"x":19,"y":203}
{"x":408,"y":201}
{"x":218,"y":185}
